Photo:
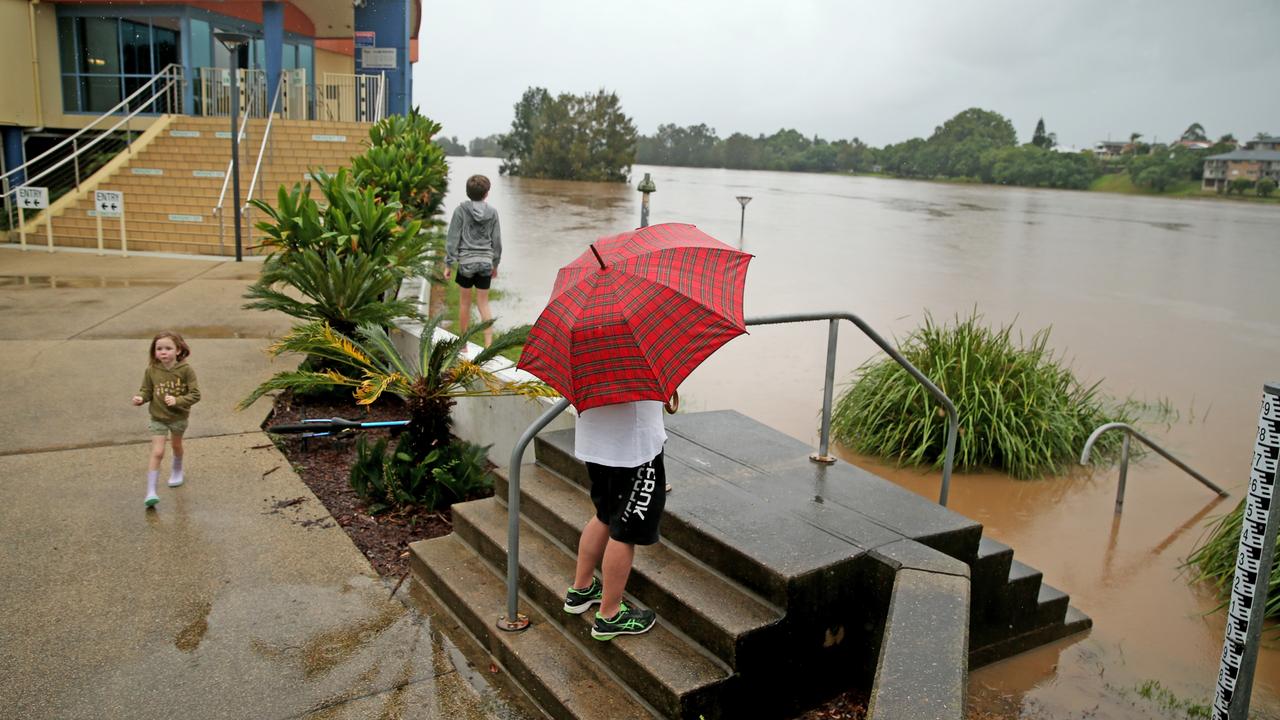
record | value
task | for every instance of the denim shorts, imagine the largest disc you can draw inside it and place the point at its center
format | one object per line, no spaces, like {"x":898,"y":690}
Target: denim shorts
{"x":161,"y":428}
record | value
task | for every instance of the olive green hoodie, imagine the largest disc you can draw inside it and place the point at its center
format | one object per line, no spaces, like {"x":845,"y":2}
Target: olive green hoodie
{"x":178,"y":381}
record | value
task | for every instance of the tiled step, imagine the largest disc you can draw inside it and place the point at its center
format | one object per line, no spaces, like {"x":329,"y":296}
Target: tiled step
{"x":554,"y":670}
{"x":709,"y":608}
{"x":663,"y":667}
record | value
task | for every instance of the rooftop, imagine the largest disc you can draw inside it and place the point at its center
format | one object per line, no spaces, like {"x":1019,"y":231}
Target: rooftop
{"x":1248,"y":155}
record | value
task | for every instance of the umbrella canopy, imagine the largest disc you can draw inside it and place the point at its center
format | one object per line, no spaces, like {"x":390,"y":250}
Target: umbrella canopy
{"x":636,"y":313}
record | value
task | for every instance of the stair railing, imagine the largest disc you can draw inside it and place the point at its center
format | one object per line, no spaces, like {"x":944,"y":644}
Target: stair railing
{"x":165,"y":88}
{"x":513,"y":621}
{"x":1130,"y":431}
{"x":226,"y":179}
{"x":245,"y":210}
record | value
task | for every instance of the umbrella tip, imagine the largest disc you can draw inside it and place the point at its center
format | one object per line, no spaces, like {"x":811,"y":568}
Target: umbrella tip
{"x":597,"y":254}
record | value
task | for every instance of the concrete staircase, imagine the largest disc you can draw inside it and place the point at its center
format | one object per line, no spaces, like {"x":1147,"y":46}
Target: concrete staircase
{"x":171,"y":185}
{"x":772,"y":582}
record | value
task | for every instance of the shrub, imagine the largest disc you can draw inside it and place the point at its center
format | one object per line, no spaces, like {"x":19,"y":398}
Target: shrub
{"x":1266,"y":186}
{"x":1020,"y":409}
{"x":447,"y":474}
{"x":1214,"y":560}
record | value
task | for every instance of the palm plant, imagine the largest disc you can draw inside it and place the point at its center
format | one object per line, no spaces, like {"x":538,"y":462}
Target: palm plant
{"x":428,"y":381}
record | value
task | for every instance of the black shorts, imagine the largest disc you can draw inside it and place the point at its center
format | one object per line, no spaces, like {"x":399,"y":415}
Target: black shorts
{"x":480,"y":281}
{"x":630,"y":500}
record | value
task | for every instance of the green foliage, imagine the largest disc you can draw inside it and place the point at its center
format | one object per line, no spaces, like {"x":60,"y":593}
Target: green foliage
{"x":1195,"y":131}
{"x":1033,"y":167}
{"x":570,"y":137}
{"x":488,"y":146}
{"x":451,"y":145}
{"x":1163,"y":169}
{"x":1266,"y":186}
{"x":1041,"y":139}
{"x":1239,"y":186}
{"x":404,"y":165}
{"x":344,"y":258}
{"x":445,"y":475}
{"x":1020,"y":410}
{"x":428,"y":379}
{"x":1214,"y":560}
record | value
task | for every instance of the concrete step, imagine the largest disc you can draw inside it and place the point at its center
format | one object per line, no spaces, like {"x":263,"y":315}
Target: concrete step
{"x":1074,"y":622}
{"x":663,"y":667}
{"x":989,"y":574}
{"x":714,"y":611}
{"x":748,"y":497}
{"x":555,"y":671}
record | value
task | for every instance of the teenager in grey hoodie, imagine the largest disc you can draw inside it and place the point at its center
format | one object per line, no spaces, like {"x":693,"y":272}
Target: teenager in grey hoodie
{"x":473,"y":248}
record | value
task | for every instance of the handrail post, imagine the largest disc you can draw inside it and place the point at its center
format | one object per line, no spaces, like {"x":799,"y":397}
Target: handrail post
{"x":824,"y":441}
{"x":513,"y":621}
{"x":1124,"y":473}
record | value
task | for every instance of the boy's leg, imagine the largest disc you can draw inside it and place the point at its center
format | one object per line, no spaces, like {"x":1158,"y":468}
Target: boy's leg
{"x":482,"y":304}
{"x":618,"y":557}
{"x":464,"y":309}
{"x":591,"y":550}
{"x":175,"y":476}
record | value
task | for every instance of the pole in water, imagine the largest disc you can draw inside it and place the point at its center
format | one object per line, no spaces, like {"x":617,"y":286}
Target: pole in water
{"x":645,"y":187}
{"x":1252,"y":578}
{"x":742,"y":224}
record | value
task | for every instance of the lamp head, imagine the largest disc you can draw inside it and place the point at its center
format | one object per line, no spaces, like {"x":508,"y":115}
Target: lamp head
{"x":231,"y":41}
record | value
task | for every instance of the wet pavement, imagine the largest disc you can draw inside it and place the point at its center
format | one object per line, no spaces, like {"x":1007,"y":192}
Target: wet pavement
{"x":238,"y":596}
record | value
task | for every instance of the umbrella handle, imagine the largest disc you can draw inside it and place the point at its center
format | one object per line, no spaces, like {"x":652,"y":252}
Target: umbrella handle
{"x":672,"y":405}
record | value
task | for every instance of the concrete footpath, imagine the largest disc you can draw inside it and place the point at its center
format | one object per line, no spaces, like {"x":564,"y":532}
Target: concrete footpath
{"x":239,"y":596}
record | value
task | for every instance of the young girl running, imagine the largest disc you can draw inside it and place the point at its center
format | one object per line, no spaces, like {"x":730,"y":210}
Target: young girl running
{"x":170,"y":386}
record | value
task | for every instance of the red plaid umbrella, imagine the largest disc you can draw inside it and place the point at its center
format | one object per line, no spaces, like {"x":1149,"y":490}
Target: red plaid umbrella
{"x":636,"y":313}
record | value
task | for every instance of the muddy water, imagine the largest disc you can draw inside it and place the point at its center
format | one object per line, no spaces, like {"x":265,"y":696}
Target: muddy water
{"x":1160,"y":299}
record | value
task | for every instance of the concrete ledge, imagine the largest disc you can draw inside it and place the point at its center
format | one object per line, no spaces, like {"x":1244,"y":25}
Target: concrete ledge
{"x":923,"y":668}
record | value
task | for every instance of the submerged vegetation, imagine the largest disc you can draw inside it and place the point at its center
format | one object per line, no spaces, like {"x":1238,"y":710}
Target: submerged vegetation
{"x":1214,"y":560}
{"x":1021,"y":410}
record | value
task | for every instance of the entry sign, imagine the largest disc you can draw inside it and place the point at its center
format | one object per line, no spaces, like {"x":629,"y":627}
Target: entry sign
{"x":1253,"y":568}
{"x":109,"y":203}
{"x":365,"y":38}
{"x":376,"y":58}
{"x":33,"y":198}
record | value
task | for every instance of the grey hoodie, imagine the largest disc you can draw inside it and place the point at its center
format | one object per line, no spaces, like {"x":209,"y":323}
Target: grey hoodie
{"x":474,"y":236}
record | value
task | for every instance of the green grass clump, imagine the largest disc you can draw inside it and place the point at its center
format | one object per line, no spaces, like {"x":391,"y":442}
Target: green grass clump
{"x":1214,"y":560}
{"x":1021,"y":410}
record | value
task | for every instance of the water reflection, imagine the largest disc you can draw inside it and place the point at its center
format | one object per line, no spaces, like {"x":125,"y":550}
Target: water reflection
{"x":1156,"y":298}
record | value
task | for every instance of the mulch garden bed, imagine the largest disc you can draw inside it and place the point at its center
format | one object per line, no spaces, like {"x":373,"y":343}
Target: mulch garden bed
{"x":324,"y":464}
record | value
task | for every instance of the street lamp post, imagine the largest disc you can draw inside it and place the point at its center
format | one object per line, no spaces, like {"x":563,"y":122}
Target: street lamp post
{"x":233,"y":42}
{"x":645,"y":187}
{"x":742,"y":224}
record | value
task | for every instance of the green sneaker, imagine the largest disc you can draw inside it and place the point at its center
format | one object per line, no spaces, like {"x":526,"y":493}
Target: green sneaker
{"x":628,"y":621}
{"x":579,"y":601}
{"x":151,"y":500}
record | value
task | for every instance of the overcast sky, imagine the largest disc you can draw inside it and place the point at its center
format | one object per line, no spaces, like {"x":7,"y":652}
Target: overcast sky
{"x":881,"y":71}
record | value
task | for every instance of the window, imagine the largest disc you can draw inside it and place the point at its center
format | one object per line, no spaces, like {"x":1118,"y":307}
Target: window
{"x":104,"y":59}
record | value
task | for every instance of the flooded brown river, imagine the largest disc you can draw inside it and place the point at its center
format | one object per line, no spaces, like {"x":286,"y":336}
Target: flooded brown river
{"x":1173,"y":300}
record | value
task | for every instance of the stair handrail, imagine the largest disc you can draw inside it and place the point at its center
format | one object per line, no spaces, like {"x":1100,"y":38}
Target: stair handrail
{"x":226,"y":176}
{"x":172,"y":71}
{"x":513,"y":621}
{"x":1130,"y":431}
{"x":262,"y":148}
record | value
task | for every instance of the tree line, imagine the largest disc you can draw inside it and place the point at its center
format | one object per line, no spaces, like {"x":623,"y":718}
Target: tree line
{"x":588,"y":137}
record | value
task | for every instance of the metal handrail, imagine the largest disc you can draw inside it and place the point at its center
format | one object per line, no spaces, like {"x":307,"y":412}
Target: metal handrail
{"x":173,"y":71}
{"x":513,"y":621}
{"x":1124,"y":458}
{"x":262,"y":148}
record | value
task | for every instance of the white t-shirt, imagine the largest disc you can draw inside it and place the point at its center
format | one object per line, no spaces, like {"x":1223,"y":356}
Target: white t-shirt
{"x":623,"y":435}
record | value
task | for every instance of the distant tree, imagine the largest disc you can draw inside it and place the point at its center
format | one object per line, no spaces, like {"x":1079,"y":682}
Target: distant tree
{"x":489,"y":146}
{"x":1043,"y":140}
{"x":1227,"y":139}
{"x":1262,"y":135}
{"x":570,"y":137}
{"x":1266,"y":186}
{"x":450,"y":145}
{"x":1194,"y":131}
{"x":1239,"y":185}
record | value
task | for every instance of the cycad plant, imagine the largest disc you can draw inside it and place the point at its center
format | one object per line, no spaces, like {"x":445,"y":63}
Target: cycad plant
{"x":428,"y":380}
{"x":1020,"y":409}
{"x":345,"y":258}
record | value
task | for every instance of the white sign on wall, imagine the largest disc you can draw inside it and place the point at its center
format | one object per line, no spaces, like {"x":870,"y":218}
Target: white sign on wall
{"x":376,"y":58}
